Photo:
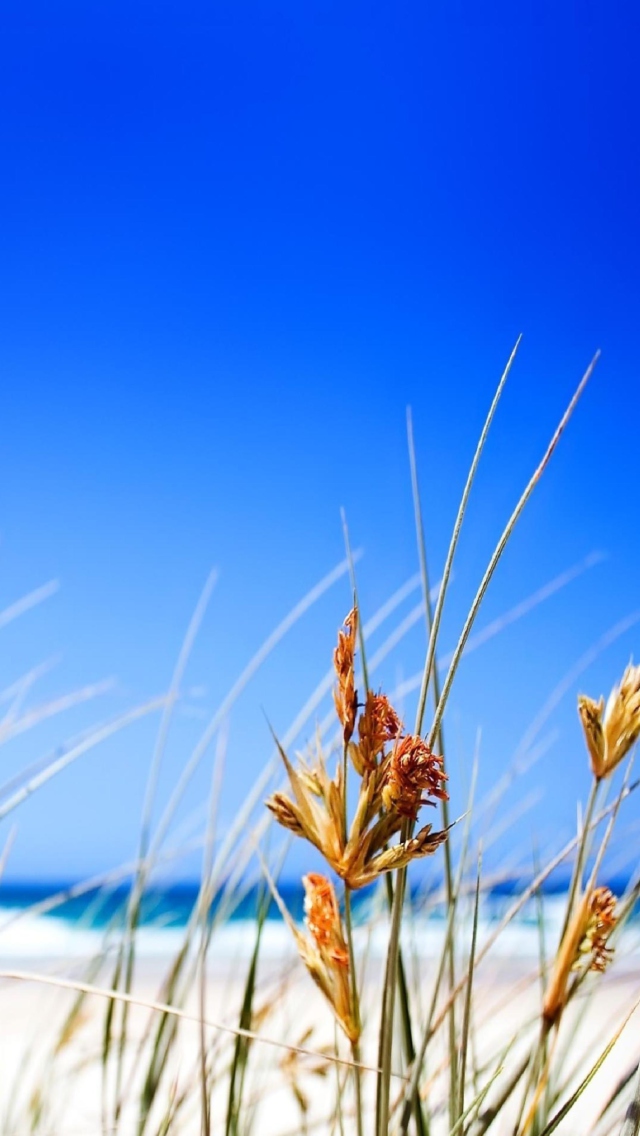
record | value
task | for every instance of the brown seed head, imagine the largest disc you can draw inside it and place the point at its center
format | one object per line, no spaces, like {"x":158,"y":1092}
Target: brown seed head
{"x":322,"y":917}
{"x":413,"y":770}
{"x":622,"y":717}
{"x":345,"y":694}
{"x":583,"y":947}
{"x":601,"y":920}
{"x":611,"y":731}
{"x":285,"y":813}
{"x":424,"y":843}
{"x":378,"y":725}
{"x":591,"y":717}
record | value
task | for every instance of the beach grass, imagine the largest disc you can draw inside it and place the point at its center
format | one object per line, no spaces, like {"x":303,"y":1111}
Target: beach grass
{"x":393,"y":1015}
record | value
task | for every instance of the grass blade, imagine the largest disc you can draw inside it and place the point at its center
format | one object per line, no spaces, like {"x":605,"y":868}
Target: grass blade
{"x":631,"y":1125}
{"x":566,"y":1108}
{"x":242,"y":1044}
{"x":462,"y":508}
{"x":466,"y":1019}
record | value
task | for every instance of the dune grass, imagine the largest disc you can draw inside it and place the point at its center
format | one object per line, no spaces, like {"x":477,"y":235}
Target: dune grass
{"x":380,"y":1018}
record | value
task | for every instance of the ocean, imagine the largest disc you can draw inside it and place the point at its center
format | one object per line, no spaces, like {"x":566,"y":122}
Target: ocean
{"x":45,"y":921}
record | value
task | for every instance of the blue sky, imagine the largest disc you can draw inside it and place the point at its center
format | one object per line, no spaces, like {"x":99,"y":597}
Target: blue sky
{"x":236,"y":244}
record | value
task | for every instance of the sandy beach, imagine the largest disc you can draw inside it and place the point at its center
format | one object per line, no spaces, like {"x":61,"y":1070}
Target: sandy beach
{"x":289,"y":1010}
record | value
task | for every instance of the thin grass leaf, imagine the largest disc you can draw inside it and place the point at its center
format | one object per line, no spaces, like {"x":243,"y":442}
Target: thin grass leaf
{"x":575,"y":1097}
{"x":529,"y":891}
{"x":512,"y":615}
{"x":242,"y":1044}
{"x":403,"y":990}
{"x":143,"y":866}
{"x":617,"y":1092}
{"x":388,"y":1003}
{"x":19,"y":607}
{"x":568,"y":680}
{"x":164,"y":1039}
{"x":475,"y":1105}
{"x":56,"y":767}
{"x":466,"y":1019}
{"x":208,"y":887}
{"x":486,"y":1119}
{"x":182,"y":1015}
{"x":13,"y":727}
{"x":172,"y":695}
{"x":197,"y":755}
{"x":462,"y":508}
{"x":631,"y":1124}
{"x":433,"y":682}
{"x":416,"y":1069}
{"x":6,"y":851}
{"x":501,"y":545}
{"x":254,"y":664}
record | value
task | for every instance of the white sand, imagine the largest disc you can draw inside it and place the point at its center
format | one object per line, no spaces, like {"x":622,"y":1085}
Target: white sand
{"x":70,"y":1085}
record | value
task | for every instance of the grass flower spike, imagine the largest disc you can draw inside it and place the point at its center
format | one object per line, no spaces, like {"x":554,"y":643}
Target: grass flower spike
{"x":322,"y":917}
{"x":315,"y":811}
{"x":413,"y":770}
{"x":345,"y":694}
{"x":584,"y":947}
{"x":601,"y":921}
{"x":324,"y":951}
{"x":610,"y":731}
{"x":315,"y":808}
{"x":393,"y":784}
{"x":378,"y":725}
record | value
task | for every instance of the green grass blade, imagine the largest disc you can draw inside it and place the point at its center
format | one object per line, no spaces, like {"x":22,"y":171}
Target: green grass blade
{"x":433,"y":638}
{"x":242,"y":1044}
{"x":575,"y":1097}
{"x":501,"y":545}
{"x":403,"y":989}
{"x":625,"y":1080}
{"x":475,"y":1104}
{"x":386,"y":1039}
{"x":466,"y":1019}
{"x":486,"y":1118}
{"x":434,"y":683}
{"x":412,"y":1090}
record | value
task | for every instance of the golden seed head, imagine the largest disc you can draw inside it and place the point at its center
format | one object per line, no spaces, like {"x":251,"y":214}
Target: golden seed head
{"x":345,"y":694}
{"x":584,"y":947}
{"x":591,"y":717}
{"x":601,"y":919}
{"x":424,"y":843}
{"x":611,"y":731}
{"x":413,"y":770}
{"x":285,"y":813}
{"x":622,"y":717}
{"x":325,"y":954}
{"x":322,"y":917}
{"x":378,"y":725}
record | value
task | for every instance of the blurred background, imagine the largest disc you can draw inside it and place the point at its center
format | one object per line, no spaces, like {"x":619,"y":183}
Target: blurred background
{"x":238,"y":240}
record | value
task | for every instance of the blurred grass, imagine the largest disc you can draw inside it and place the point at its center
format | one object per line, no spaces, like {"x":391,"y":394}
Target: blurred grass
{"x":436,"y":1060}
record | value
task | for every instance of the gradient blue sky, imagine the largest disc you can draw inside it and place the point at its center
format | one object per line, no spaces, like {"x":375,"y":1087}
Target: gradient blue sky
{"x":237,"y":241}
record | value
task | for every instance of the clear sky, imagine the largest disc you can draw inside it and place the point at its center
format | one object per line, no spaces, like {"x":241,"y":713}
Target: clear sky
{"x":238,"y":239}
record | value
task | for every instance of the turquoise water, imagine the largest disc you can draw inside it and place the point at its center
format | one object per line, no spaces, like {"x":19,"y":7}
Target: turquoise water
{"x":40,"y":920}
